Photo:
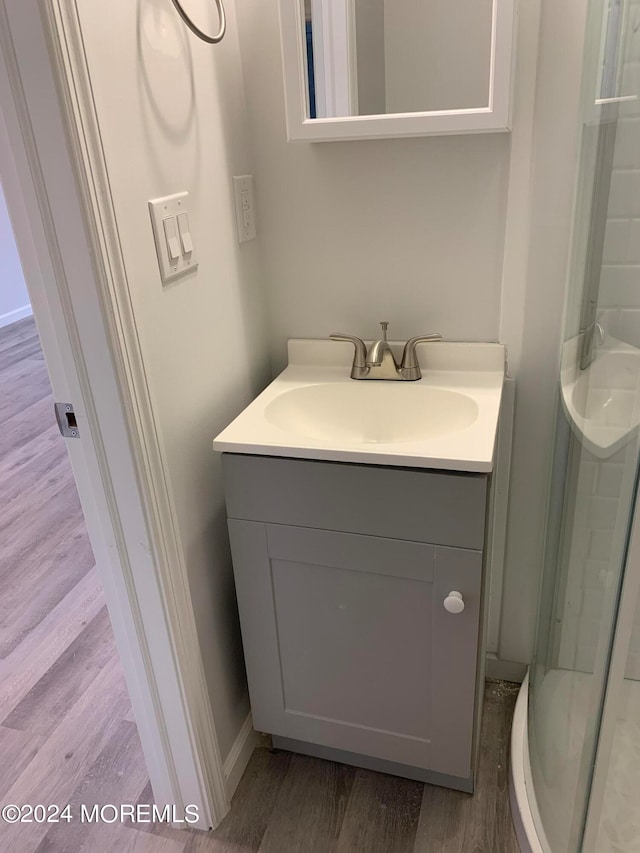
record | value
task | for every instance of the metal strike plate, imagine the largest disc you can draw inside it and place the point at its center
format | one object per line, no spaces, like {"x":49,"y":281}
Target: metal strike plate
{"x":66,"y":418}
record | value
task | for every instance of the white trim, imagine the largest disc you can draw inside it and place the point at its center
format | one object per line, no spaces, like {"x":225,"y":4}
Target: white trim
{"x":15,"y":315}
{"x":495,"y":117}
{"x":320,"y":75}
{"x":197,"y":762}
{"x":239,"y":755}
{"x":498,"y":514}
{"x":331,"y":61}
{"x":518,"y":213}
{"x":504,"y":670}
{"x":524,"y":809}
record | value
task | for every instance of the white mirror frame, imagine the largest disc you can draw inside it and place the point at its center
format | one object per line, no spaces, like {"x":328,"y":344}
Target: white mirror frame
{"x":493,"y":118}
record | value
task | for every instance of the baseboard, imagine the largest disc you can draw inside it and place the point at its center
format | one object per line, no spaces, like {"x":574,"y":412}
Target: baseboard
{"x":13,"y":316}
{"x":236,"y":762}
{"x":504,"y":670}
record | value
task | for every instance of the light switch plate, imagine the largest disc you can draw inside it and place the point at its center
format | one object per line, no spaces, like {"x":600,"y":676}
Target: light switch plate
{"x":245,"y":207}
{"x":173,"y":260}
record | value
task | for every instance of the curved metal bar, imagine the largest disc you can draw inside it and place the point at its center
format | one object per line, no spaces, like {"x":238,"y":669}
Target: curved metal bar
{"x":196,"y":30}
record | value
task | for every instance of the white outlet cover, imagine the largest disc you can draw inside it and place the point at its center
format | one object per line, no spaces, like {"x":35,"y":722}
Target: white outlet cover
{"x":164,"y":208}
{"x":245,"y":207}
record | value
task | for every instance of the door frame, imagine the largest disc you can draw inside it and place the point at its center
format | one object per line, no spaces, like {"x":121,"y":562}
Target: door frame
{"x":56,"y":184}
{"x":334,"y":57}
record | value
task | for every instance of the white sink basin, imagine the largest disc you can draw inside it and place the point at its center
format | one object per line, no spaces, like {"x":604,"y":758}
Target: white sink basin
{"x":314,"y":410}
{"x":371,"y":412}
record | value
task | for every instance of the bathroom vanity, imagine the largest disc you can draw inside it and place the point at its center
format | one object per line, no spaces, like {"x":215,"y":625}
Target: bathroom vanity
{"x":360,"y":559}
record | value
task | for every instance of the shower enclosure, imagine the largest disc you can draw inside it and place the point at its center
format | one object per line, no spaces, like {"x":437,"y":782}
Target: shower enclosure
{"x":576,"y":742}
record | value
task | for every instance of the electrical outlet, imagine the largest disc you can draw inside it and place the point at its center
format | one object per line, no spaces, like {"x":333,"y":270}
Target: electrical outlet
{"x":245,"y":207}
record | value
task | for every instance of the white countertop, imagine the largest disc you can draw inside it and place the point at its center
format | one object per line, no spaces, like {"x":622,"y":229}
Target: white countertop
{"x":475,"y":371}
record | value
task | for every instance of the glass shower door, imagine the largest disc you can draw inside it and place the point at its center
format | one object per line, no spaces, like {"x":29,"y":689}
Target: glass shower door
{"x":570,"y":672}
{"x":596,"y":458}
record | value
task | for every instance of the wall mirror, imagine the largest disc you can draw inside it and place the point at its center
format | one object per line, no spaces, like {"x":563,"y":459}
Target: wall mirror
{"x":367,"y":69}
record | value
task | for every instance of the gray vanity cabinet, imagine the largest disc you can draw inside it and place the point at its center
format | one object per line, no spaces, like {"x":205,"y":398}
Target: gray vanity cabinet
{"x":341,"y":573}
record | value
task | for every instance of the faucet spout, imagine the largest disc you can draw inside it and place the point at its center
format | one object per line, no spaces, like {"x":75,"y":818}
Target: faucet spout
{"x":378,"y":351}
{"x":380,"y":362}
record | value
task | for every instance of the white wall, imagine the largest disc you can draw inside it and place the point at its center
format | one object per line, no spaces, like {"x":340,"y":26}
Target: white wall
{"x":172,"y":118}
{"x":424,"y":44}
{"x":14,"y":299}
{"x":410,"y":231}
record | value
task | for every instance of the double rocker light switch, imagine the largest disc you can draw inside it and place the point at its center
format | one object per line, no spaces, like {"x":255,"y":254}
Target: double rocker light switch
{"x":172,"y":233}
{"x":173,"y":249}
{"x":186,"y":242}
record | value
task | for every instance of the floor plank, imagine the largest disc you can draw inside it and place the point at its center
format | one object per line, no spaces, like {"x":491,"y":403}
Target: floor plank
{"x":32,"y":459}
{"x":24,"y":513}
{"x":161,"y":829}
{"x":67,"y":755}
{"x":24,"y":426}
{"x":503,"y":696}
{"x":26,"y":665}
{"x":129,"y":841}
{"x":17,"y":749}
{"x":310,"y":808}
{"x":458,"y":823}
{"x":382,"y":814}
{"x":17,"y":332}
{"x":24,"y":387}
{"x":27,"y":349}
{"x":48,"y":701}
{"x":50,"y":576}
{"x":242,"y":831}
{"x":116,"y":777}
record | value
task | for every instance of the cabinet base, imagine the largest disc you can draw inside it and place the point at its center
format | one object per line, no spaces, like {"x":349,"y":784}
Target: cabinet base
{"x":369,"y":763}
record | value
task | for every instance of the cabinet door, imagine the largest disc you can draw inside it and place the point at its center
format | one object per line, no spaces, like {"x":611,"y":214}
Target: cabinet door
{"x":348,"y":645}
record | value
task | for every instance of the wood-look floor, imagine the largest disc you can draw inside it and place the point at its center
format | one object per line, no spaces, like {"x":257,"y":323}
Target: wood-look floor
{"x":66,"y":730}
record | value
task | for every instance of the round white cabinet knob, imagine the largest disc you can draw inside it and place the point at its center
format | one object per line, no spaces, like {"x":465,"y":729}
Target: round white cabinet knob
{"x":454,"y":603}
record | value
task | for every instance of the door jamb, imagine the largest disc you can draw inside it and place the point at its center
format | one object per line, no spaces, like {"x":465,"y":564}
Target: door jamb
{"x":145,"y":578}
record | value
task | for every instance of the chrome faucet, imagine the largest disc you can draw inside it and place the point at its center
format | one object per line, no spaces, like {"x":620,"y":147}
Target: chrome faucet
{"x":379,"y":362}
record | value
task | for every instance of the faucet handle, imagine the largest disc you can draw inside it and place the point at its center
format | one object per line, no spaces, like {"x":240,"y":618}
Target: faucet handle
{"x":409,"y":365}
{"x":360,"y":355}
{"x":384,"y":326}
